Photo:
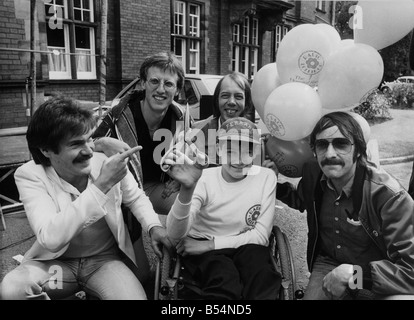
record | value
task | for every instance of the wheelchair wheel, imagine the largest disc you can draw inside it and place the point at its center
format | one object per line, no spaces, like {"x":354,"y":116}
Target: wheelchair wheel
{"x":284,"y":261}
{"x":166,"y":278}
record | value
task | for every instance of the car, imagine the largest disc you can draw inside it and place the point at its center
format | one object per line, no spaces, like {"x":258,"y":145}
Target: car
{"x":389,"y":86}
{"x":197,"y":91}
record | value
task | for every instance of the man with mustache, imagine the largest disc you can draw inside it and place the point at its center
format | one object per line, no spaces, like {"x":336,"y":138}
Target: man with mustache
{"x":360,"y":219}
{"x":72,"y":198}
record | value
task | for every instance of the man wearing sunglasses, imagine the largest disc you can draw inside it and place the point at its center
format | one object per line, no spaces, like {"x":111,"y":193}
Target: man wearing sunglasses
{"x":138,"y":119}
{"x":360,"y":219}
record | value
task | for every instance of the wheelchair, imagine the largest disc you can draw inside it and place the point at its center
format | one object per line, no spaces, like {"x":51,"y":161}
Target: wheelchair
{"x":172,"y":282}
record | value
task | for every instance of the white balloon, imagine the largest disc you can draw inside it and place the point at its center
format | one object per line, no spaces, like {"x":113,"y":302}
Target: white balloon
{"x":264,"y":82}
{"x":350,"y":74}
{"x":292,"y":110}
{"x":332,"y":33}
{"x":382,"y":23}
{"x":302,"y":54}
{"x":363,"y":123}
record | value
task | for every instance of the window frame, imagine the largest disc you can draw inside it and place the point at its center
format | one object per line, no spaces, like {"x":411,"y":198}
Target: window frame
{"x":321,"y":5}
{"x":246,"y":46}
{"x":69,"y":31}
{"x":278,"y":37}
{"x":186,"y":36}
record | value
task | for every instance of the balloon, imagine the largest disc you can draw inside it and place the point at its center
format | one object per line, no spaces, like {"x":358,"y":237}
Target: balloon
{"x":302,"y":54}
{"x":350,"y":74}
{"x":332,"y":33}
{"x":292,"y":110}
{"x":289,"y":156}
{"x":366,"y":129}
{"x":346,"y":42}
{"x":382,"y":23}
{"x":264,"y":82}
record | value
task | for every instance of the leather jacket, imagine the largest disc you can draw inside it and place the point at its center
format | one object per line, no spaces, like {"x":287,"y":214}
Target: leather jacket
{"x":386,"y":212}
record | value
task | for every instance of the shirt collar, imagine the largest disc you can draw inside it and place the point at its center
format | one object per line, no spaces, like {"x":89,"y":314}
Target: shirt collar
{"x":347,"y":189}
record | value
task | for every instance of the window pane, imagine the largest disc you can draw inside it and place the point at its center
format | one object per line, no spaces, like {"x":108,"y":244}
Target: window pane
{"x":83,"y":60}
{"x":178,"y":47}
{"x":55,"y":37}
{"x":194,"y":56}
{"x":236,"y":33}
{"x":86,"y":16}
{"x":194,"y":20}
{"x":55,"y":8}
{"x":86,"y":4}
{"x":57,"y":63}
{"x":82,"y":37}
{"x":179,"y":27}
{"x":255,"y":36}
{"x":78,"y":14}
{"x":77,"y":4}
{"x":246,"y":30}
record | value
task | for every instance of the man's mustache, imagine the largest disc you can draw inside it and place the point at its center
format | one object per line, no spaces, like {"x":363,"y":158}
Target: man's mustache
{"x":82,"y":158}
{"x":332,"y":162}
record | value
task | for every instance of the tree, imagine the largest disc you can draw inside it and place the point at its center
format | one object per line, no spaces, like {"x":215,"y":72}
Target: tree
{"x":396,"y":59}
{"x":342,"y":19}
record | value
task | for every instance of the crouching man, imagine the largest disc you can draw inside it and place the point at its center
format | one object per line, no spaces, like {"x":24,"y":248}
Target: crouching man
{"x":72,"y":198}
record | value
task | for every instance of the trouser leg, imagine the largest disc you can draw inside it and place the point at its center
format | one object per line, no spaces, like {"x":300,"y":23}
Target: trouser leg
{"x":260,"y":280}
{"x":109,"y":278}
{"x":321,"y":267}
{"x":215,"y":271}
{"x":39,"y":280}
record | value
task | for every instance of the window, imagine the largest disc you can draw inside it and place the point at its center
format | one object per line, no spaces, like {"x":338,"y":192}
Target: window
{"x":279,"y":32}
{"x":245,"y":53}
{"x":186,"y":40}
{"x":71,"y":40}
{"x":320,"y":5}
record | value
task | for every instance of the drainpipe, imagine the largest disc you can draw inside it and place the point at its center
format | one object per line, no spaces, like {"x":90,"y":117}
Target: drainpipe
{"x":32,"y":55}
{"x":219,"y":36}
{"x":102,"y":69}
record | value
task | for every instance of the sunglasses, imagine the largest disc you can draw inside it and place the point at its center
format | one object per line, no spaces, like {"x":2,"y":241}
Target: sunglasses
{"x":168,"y":85}
{"x":341,"y":145}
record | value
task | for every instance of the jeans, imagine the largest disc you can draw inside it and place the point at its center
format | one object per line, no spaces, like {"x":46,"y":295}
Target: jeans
{"x":106,"y":277}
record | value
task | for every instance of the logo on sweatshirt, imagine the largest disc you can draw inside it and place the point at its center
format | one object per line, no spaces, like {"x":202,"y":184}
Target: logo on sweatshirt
{"x":252,"y":215}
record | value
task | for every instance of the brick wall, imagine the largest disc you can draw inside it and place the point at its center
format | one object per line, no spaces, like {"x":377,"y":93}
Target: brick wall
{"x":14,"y":67}
{"x":145,"y":30}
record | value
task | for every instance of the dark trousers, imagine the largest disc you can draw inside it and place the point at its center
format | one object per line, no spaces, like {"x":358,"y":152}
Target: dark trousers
{"x":235,"y":274}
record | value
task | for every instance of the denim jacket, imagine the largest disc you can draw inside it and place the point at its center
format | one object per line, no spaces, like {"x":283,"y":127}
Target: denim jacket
{"x":386,"y":213}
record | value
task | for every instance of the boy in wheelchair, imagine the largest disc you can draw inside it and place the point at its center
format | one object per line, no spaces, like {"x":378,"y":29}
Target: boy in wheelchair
{"x":223,"y":217}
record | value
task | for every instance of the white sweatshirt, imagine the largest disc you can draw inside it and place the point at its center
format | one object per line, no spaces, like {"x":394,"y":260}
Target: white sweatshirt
{"x":233,"y":214}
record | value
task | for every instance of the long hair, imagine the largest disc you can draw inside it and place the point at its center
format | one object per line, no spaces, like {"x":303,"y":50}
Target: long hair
{"x":166,"y":61}
{"x":350,"y":129}
{"x":56,"y":119}
{"x":241,"y":80}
